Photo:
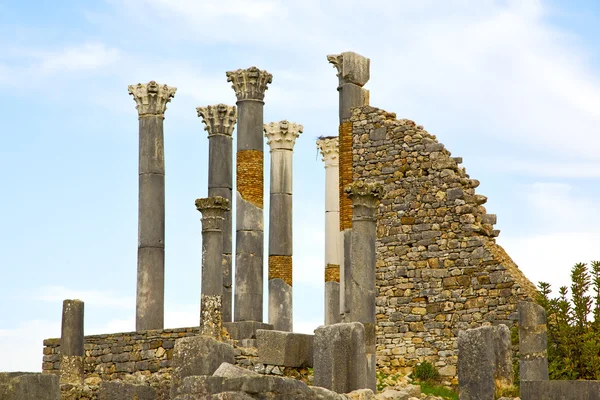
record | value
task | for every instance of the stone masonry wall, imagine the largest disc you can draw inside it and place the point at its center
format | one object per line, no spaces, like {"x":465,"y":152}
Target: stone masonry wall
{"x":439,"y":269}
{"x":145,"y":357}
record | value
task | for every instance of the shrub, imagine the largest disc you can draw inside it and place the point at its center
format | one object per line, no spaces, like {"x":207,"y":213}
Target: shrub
{"x":425,"y":371}
{"x":574,"y":338}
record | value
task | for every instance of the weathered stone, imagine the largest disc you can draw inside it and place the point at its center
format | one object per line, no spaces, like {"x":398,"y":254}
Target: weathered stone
{"x":199,"y":355}
{"x":28,"y":386}
{"x":340,"y":362}
{"x":532,"y":342}
{"x":227,"y":370}
{"x":484,"y":362}
{"x":151,"y":100}
{"x":116,"y":390}
{"x":250,"y":86}
{"x":285,"y":348}
{"x":213,"y":211}
{"x":245,"y":329}
{"x":558,"y":390}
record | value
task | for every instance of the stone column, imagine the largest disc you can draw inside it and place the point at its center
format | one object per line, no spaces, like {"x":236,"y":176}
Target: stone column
{"x":281,"y":137}
{"x":151,"y":99}
{"x":329,"y":147}
{"x":220,"y":121}
{"x":71,"y":343}
{"x":353,"y":74}
{"x":213,"y":211}
{"x":361,"y":302}
{"x":249,"y":85}
{"x":533,"y":342}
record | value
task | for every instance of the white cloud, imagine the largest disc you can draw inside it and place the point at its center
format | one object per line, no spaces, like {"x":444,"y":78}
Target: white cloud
{"x":539,"y":168}
{"x":22,"y":346}
{"x":88,"y":56}
{"x":571,"y":226}
{"x":550,"y":257}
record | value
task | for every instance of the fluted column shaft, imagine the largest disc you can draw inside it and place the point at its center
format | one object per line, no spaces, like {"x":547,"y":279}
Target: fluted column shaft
{"x":71,"y":343}
{"x":151,"y":100}
{"x":213,"y":211}
{"x":364,"y":197}
{"x":249,"y":85}
{"x":281,"y":137}
{"x":329,"y":147}
{"x":220,"y":122}
{"x":353,"y":73}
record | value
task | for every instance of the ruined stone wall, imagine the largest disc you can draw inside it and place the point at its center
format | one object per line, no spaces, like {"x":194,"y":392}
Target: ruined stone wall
{"x":439,"y":269}
{"x":145,"y":357}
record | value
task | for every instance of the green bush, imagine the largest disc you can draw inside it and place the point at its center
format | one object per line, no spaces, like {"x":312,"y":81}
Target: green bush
{"x":574,"y":337}
{"x":425,"y":371}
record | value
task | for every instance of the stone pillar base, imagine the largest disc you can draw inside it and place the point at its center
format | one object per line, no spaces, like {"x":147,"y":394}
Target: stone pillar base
{"x":71,"y":370}
{"x":211,"y":319}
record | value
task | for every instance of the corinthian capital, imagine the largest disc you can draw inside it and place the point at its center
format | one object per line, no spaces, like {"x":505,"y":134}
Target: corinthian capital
{"x":351,"y":67}
{"x":249,"y":84}
{"x":219,"y":119}
{"x":330,"y":149}
{"x":364,"y":194}
{"x":282,"y":134}
{"x":151,"y":98}
{"x":213,"y":212}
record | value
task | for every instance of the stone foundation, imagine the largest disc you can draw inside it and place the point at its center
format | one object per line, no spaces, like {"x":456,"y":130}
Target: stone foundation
{"x":146,"y":358}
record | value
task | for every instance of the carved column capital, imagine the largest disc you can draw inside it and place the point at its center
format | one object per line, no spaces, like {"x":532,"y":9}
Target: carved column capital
{"x":250,"y":83}
{"x":365,"y":194}
{"x":213,"y":212}
{"x":282,"y":135}
{"x":351,"y":67}
{"x":151,"y":98}
{"x":219,"y":119}
{"x":330,"y":149}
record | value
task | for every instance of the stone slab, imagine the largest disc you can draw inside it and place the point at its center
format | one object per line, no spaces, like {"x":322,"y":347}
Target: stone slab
{"x":559,"y":390}
{"x":117,"y":390}
{"x":285,"y":348}
{"x":340,"y":362}
{"x":29,"y":386}
{"x":198,"y":355}
{"x":245,"y":329}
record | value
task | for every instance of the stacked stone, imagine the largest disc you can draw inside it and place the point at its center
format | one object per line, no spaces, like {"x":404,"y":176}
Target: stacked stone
{"x":220,"y":121}
{"x":281,"y":137}
{"x":147,"y":357}
{"x":533,"y":342}
{"x":71,"y":343}
{"x":361,"y":301}
{"x":213,"y":211}
{"x":439,"y":269}
{"x":151,"y":99}
{"x":249,"y":85}
{"x":329,"y":147}
{"x":353,"y":74}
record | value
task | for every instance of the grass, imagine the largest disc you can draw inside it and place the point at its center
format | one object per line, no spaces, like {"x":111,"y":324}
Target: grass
{"x":430,"y":388}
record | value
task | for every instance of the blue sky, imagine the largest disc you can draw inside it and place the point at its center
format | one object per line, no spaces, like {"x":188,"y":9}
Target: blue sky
{"x":513,"y":87}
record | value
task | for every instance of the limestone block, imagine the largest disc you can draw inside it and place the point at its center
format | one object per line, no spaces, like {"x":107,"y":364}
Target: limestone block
{"x":29,"y":386}
{"x":533,"y":342}
{"x":227,"y":370}
{"x":253,"y":387}
{"x":484,"y":361}
{"x":117,"y":390}
{"x":556,"y":390}
{"x":340,"y":362}
{"x":285,"y":348}
{"x":240,"y":330}
{"x":198,"y":355}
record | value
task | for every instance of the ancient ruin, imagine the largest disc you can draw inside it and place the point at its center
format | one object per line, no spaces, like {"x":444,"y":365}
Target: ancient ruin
{"x":412,"y":270}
